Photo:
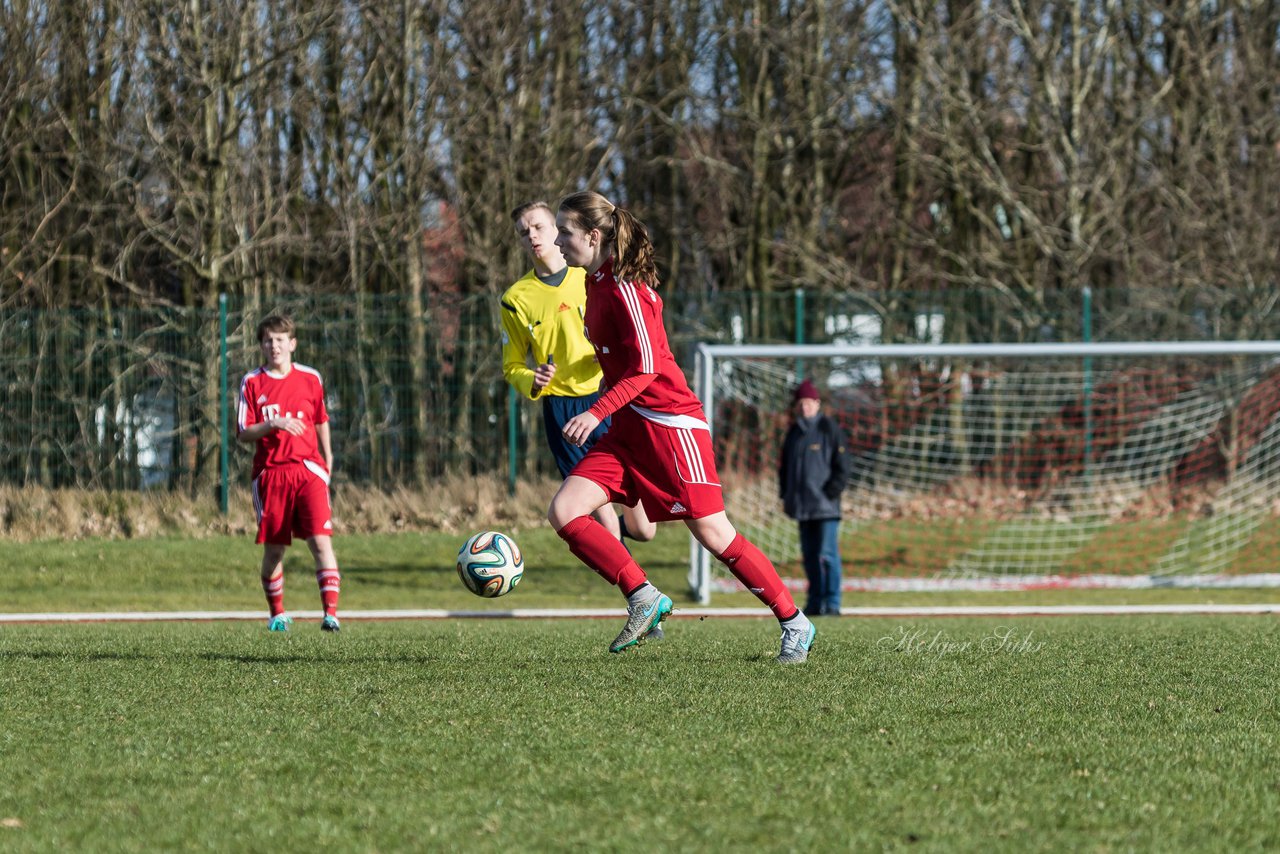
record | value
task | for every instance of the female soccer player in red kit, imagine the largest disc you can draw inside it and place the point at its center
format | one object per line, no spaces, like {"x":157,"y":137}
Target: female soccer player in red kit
{"x":282,"y":410}
{"x":659,"y":447}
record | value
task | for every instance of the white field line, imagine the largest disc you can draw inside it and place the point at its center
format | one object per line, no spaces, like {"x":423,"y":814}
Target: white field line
{"x":608,"y":613}
{"x":1027,"y":582}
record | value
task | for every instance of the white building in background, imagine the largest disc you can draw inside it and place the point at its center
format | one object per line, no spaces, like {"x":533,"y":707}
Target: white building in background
{"x":865,"y":328}
{"x":147,"y":426}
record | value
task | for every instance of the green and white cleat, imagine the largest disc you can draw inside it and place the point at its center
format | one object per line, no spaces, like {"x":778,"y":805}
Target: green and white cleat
{"x":656,"y":633}
{"x":642,"y":618}
{"x":797,"y":637}
{"x":280,"y":623}
{"x":330,"y":624}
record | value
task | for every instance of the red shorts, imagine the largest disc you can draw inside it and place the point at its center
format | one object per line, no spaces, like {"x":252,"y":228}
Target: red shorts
{"x":671,"y":470}
{"x":292,"y":501}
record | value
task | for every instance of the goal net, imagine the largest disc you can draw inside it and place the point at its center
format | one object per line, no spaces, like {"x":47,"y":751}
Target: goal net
{"x":1014,"y":466}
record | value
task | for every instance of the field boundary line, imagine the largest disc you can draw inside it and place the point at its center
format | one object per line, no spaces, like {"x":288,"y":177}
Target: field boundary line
{"x":606,"y":613}
{"x":992,"y":583}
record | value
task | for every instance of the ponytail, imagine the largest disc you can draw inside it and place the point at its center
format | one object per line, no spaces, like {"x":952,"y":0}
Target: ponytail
{"x":633,"y":250}
{"x":633,"y":255}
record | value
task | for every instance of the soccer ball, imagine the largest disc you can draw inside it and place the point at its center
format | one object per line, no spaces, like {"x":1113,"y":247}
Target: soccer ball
{"x":490,"y":564}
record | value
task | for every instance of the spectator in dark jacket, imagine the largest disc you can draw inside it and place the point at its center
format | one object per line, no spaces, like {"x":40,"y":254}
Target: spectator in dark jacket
{"x":811,"y":476}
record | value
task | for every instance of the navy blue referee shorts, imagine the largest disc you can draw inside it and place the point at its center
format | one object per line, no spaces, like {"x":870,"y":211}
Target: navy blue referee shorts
{"x":556,"y":412}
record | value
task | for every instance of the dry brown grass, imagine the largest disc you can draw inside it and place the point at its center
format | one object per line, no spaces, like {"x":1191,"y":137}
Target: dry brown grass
{"x":457,"y":505}
{"x":454,"y":505}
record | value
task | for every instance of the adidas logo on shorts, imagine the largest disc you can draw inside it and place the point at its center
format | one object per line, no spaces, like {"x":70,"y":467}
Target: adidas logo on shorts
{"x":678,"y":508}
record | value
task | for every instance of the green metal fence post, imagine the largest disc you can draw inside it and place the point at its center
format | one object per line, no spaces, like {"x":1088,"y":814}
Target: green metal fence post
{"x":223,"y":409}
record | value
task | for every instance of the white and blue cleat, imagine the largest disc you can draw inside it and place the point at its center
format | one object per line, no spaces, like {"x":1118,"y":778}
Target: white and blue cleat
{"x":797,"y":637}
{"x":642,"y":618}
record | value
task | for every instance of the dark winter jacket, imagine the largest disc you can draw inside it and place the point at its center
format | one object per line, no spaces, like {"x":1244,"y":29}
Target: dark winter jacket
{"x":813,"y":470}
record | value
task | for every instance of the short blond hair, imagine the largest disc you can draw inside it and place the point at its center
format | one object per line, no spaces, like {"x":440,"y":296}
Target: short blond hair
{"x":531,"y":206}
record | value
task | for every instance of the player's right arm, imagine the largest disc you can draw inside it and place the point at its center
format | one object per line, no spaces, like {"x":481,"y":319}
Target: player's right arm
{"x":248,"y":427}
{"x":516,"y":343}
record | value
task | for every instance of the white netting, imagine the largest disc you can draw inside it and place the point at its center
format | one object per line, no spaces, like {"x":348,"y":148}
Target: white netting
{"x":1044,"y":469}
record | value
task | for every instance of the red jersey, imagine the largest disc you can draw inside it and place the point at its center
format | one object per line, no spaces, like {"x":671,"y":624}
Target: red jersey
{"x":624,"y":324}
{"x":300,"y":394}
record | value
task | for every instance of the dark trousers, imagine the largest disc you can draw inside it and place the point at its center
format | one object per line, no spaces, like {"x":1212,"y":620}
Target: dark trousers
{"x":819,"y":545}
{"x":556,"y":412}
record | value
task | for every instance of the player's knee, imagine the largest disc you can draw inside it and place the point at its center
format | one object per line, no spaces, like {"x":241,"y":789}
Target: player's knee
{"x":272,"y":563}
{"x":576,"y":497}
{"x":641,"y":532}
{"x":648,"y":530}
{"x":714,"y":532}
{"x":321,"y":546}
{"x":560,"y":513}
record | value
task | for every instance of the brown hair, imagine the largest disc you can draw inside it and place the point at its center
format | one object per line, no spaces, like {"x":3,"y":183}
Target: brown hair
{"x":530,"y":206}
{"x":277,"y":323}
{"x":633,"y":258}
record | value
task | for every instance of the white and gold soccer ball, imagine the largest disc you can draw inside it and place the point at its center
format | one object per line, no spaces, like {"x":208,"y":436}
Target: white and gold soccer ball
{"x":490,"y":564}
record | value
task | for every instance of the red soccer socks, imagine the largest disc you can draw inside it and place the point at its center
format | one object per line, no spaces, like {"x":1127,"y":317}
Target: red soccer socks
{"x":592,"y":544}
{"x":757,"y":573}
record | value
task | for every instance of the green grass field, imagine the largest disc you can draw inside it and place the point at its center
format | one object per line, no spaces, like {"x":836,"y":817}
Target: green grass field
{"x":1081,"y":733}
{"x":1098,"y":734}
{"x":415,"y":570}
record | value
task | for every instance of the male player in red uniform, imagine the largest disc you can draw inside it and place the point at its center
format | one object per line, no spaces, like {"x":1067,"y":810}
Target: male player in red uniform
{"x":659,"y":447}
{"x":282,"y":410}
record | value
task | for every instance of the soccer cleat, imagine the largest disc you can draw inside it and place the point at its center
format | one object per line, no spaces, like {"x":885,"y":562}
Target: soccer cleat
{"x":797,"y":637}
{"x":280,"y":623}
{"x":330,"y":624}
{"x":656,"y":633}
{"x":642,"y":617}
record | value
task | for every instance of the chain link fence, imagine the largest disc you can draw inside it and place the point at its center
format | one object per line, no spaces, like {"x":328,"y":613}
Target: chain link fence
{"x":110,"y":399}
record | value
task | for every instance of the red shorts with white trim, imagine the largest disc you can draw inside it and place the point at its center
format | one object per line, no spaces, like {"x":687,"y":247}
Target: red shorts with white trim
{"x":292,"y":501}
{"x":671,"y":470}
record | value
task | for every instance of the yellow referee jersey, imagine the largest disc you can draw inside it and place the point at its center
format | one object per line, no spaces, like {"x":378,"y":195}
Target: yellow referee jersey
{"x":543,"y":320}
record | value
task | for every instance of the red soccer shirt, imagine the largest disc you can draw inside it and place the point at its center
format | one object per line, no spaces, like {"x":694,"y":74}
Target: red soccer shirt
{"x":624,"y":323}
{"x":300,"y":394}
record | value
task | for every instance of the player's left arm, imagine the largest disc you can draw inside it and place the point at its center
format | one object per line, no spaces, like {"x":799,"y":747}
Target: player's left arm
{"x":620,"y":394}
{"x":320,"y":417}
{"x":578,"y":428}
{"x":326,"y":446}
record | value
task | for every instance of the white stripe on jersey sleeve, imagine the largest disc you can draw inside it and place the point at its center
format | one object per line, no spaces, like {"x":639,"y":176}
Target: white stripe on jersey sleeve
{"x":307,"y":369}
{"x":632,"y":300}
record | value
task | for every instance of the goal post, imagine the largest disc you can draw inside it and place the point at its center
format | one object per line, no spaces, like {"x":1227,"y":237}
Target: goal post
{"x":1014,"y":466}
